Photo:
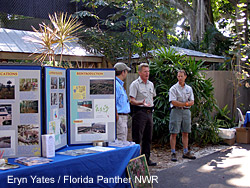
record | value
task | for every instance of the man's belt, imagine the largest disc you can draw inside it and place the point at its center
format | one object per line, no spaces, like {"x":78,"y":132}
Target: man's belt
{"x":143,"y":109}
{"x":124,"y":114}
{"x":182,"y":108}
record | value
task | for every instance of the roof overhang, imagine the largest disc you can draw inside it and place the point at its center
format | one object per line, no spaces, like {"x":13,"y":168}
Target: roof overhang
{"x":29,"y":56}
{"x":210,"y":58}
{"x":15,"y":46}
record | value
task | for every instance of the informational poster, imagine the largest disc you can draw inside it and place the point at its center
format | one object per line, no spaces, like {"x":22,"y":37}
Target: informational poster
{"x":55,"y":104}
{"x":91,"y":105}
{"x":20,"y":111}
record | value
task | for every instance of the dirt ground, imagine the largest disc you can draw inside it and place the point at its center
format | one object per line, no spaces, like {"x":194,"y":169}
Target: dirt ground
{"x":162,"y":155}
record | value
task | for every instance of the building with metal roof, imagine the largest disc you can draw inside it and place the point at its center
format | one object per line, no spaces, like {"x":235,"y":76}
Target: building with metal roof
{"x":15,"y":46}
{"x":210,"y":59}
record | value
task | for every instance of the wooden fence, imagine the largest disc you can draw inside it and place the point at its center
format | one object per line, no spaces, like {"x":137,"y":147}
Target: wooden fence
{"x":223,"y":90}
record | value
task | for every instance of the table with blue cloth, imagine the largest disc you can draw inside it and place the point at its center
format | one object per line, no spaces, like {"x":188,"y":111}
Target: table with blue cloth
{"x":102,"y":169}
{"x":247,"y":119}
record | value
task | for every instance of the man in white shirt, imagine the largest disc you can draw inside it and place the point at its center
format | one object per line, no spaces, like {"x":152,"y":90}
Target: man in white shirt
{"x":141,"y":94}
{"x":181,"y":98}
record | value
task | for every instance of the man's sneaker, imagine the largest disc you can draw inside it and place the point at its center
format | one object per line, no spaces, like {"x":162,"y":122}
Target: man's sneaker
{"x":173,"y":157}
{"x":150,"y":163}
{"x":188,"y":155}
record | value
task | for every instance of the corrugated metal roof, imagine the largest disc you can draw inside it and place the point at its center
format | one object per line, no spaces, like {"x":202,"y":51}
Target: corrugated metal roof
{"x":183,"y":51}
{"x":16,"y":41}
{"x":188,"y":52}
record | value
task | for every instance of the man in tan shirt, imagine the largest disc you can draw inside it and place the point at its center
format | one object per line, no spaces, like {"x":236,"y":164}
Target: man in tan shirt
{"x":141,"y":97}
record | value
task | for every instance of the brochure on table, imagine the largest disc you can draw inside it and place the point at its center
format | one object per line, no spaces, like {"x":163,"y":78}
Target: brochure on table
{"x":91,"y":105}
{"x":20,"y":111}
{"x":55,"y":104}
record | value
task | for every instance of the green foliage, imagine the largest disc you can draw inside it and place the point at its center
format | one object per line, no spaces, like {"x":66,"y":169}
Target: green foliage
{"x":222,"y":118}
{"x":55,"y":37}
{"x":214,"y":42}
{"x":137,"y":27}
{"x":164,"y":69}
{"x":204,"y":132}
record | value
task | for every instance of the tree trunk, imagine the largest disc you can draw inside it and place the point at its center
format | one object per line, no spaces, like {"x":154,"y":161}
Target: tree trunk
{"x":246,"y":26}
{"x":198,"y":15}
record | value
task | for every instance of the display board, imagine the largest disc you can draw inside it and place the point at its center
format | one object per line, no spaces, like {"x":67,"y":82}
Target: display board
{"x":55,"y":104}
{"x":91,"y":105}
{"x":20,"y":111}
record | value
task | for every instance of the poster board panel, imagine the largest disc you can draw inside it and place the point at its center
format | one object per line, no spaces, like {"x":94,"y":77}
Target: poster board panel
{"x":20,"y":111}
{"x":55,"y":104}
{"x":91,"y":101}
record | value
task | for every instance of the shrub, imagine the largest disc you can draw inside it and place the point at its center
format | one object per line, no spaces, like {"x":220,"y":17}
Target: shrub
{"x":163,"y":70}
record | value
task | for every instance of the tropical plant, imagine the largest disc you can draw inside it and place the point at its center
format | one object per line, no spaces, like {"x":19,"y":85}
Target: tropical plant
{"x":46,"y":38}
{"x":223,"y":119}
{"x":233,"y":16}
{"x":65,"y":30}
{"x":164,"y":69}
{"x":55,"y":37}
{"x":205,"y":132}
{"x":135,"y":26}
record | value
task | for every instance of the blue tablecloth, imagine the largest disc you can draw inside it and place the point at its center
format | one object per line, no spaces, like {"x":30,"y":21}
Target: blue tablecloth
{"x":104,"y":169}
{"x":247,"y":118}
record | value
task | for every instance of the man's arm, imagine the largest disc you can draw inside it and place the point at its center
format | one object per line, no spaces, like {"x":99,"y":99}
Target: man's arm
{"x":182,"y":104}
{"x":136,"y":103}
{"x":116,"y":114}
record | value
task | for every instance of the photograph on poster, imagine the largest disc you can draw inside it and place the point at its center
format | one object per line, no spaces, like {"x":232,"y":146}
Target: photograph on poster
{"x":61,"y":83}
{"x":7,"y":88}
{"x":53,"y":98}
{"x":99,"y":127}
{"x":28,"y":84}
{"x":29,"y":106}
{"x":53,"y":83}
{"x":62,"y":125}
{"x":5,"y":114}
{"x":84,"y":130}
{"x":93,"y":129}
{"x":5,"y":142}
{"x":84,"y":106}
{"x":101,"y":87}
{"x":60,"y":100}
{"x":28,"y":135}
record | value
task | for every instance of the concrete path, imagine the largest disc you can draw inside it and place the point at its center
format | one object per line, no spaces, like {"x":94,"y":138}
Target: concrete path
{"x":229,"y":168}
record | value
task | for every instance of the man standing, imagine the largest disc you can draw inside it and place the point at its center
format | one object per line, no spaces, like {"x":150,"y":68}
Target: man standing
{"x":181,"y":98}
{"x":122,"y":102}
{"x":141,"y":96}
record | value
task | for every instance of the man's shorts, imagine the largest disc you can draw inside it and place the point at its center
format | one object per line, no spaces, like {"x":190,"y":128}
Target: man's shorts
{"x":180,"y":120}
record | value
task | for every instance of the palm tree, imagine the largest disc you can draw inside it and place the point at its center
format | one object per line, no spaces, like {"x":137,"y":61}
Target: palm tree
{"x":46,"y":38}
{"x":55,"y":37}
{"x":65,"y":30}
